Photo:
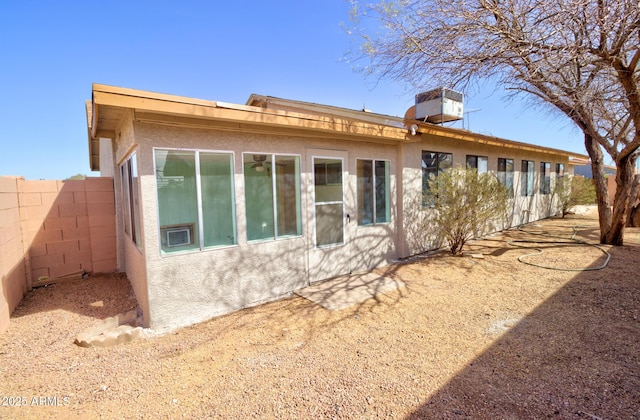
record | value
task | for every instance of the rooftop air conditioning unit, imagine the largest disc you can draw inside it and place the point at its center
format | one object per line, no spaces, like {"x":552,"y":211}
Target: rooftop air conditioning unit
{"x":439,"y":105}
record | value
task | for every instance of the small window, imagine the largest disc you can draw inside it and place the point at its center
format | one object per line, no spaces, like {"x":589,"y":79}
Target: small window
{"x":505,"y":174}
{"x":527,"y":177}
{"x":432,"y":164}
{"x":479,"y":163}
{"x":559,"y":170}
{"x":131,"y":198}
{"x":373,"y":192}
{"x":545,"y":178}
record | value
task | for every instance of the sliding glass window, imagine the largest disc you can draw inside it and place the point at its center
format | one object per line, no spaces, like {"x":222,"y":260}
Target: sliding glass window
{"x":545,"y":178}
{"x":505,"y":174}
{"x":373,"y":192}
{"x":479,"y":163}
{"x":218,"y":210}
{"x":527,"y":178}
{"x":195,"y":199}
{"x":272,"y":196}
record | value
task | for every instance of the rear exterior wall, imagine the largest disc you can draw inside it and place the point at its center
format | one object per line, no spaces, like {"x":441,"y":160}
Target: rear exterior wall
{"x":131,"y":259}
{"x":189,"y":287}
{"x":417,"y":231}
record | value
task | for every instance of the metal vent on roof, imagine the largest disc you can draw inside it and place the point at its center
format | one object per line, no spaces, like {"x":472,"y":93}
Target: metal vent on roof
{"x":439,"y":105}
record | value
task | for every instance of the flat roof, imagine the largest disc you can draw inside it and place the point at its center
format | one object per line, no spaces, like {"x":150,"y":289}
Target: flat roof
{"x":109,"y":105}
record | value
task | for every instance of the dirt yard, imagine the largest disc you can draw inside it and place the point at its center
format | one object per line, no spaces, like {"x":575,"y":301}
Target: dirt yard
{"x":466,"y":338}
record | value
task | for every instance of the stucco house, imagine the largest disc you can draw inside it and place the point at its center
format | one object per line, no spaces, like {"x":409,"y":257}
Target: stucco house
{"x":222,"y":206}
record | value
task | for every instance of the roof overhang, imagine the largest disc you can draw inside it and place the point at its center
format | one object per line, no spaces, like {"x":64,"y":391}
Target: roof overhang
{"x":262,"y":114}
{"x":110,"y":104}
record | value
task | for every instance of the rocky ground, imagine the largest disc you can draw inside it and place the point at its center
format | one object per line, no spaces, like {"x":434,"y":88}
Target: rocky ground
{"x":467,"y":337}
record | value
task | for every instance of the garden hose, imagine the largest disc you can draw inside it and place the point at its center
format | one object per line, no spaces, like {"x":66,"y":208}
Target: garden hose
{"x":540,"y":251}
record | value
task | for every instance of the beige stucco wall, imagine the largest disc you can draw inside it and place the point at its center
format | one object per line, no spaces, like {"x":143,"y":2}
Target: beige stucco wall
{"x":194,"y":286}
{"x":416,"y":235}
{"x":106,"y":158}
{"x":130,"y":258}
{"x":185,"y":288}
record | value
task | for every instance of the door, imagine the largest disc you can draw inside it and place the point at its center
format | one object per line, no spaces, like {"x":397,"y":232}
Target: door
{"x":330,"y":216}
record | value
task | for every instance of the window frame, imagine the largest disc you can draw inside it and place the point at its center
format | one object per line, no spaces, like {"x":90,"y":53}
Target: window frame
{"x":200,"y":217}
{"x":427,"y":201}
{"x":508,"y":185}
{"x":545,"y":178}
{"x":477,"y":160}
{"x":387,"y":192}
{"x":527,"y":181}
{"x":299,"y":225}
{"x":130,"y":192}
{"x":560,"y":171}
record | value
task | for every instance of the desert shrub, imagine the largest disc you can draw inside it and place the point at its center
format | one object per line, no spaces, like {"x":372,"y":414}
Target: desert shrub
{"x":574,"y":191}
{"x":466,"y":205}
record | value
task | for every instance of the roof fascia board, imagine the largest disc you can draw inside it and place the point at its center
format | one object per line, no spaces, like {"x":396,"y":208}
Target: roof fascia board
{"x":94,"y":160}
{"x":431,"y":129}
{"x":490,"y":140}
{"x":246,"y":114}
{"x":149,"y":95}
{"x":343,"y":123}
{"x":275,"y":124}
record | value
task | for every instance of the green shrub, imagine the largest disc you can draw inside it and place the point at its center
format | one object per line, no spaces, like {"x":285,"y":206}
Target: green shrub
{"x":573,"y":191}
{"x":466,"y":205}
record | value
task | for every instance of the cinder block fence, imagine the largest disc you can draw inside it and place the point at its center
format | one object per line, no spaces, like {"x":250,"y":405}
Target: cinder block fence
{"x":51,"y":229}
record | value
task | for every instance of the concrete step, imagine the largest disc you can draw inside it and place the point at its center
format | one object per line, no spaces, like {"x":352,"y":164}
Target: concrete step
{"x":111,"y":331}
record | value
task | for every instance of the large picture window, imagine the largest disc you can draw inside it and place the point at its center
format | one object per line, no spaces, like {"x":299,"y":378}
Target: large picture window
{"x":527,"y":178}
{"x":545,"y":178}
{"x":432,"y":164}
{"x":272,"y":196}
{"x":196,"y":205}
{"x":131,"y":198}
{"x":505,"y":174}
{"x":373,"y":192}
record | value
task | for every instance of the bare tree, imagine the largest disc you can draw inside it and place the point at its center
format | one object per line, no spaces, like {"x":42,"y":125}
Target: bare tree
{"x":577,"y":56}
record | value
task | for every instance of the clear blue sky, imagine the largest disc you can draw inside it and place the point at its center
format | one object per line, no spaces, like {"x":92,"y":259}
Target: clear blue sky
{"x":53,"y":51}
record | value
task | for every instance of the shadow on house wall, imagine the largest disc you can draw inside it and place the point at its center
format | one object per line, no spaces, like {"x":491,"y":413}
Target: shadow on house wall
{"x":52,"y":229}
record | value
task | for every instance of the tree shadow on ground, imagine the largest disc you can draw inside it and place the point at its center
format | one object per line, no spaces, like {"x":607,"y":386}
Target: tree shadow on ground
{"x":574,"y":356}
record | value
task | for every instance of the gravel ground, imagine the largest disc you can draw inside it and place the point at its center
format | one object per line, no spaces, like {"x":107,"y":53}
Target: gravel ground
{"x":466,"y":338}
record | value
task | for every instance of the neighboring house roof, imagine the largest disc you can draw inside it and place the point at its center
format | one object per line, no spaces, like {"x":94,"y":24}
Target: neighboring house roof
{"x":109,"y":105}
{"x":582,"y":166}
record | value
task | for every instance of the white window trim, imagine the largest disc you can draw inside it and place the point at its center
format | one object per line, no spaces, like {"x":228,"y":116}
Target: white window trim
{"x":201,"y":248}
{"x":375,"y":198}
{"x":273,"y":191}
{"x":313,"y":181}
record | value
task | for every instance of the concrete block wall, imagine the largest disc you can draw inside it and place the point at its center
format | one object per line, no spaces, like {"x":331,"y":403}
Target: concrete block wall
{"x":68,"y":227}
{"x":12,"y":268}
{"x":51,"y":229}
